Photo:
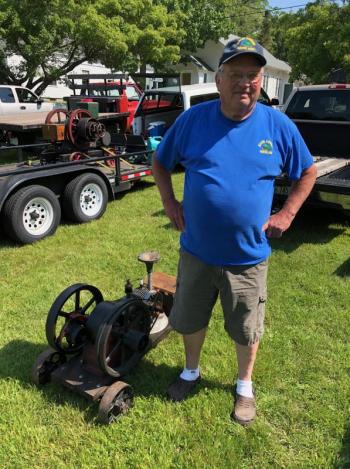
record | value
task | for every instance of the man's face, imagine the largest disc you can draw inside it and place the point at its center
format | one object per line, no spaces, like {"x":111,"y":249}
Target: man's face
{"x":239,"y":84}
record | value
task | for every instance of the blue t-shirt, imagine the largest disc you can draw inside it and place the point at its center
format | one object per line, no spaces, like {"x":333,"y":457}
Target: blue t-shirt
{"x":230,"y":168}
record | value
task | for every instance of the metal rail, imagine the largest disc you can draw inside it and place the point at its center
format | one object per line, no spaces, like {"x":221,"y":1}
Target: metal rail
{"x":72,"y":163}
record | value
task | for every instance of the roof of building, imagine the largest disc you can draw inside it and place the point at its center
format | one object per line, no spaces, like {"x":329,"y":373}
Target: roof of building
{"x":200,"y":63}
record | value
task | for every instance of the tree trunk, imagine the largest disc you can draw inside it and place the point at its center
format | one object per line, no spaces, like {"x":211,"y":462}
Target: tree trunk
{"x":142,"y":80}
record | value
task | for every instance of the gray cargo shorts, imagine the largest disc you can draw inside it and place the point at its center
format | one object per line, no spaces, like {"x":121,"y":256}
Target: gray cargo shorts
{"x":242,"y":290}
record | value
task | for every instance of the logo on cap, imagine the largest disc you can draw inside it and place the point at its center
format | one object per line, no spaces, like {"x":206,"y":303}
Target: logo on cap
{"x":246,"y":43}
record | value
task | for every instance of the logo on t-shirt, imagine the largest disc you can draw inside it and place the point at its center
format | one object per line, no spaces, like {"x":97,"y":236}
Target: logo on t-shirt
{"x":265,"y":147}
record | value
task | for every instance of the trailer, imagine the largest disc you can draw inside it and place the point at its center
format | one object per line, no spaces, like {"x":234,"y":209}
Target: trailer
{"x":79,"y":168}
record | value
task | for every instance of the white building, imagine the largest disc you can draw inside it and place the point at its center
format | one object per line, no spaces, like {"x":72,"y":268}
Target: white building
{"x":202,"y":66}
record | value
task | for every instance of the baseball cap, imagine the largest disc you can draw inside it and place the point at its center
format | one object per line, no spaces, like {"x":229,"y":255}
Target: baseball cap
{"x":240,"y":46}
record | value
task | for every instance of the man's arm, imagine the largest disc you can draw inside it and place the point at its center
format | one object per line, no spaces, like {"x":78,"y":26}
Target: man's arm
{"x":172,"y":207}
{"x":281,"y":221}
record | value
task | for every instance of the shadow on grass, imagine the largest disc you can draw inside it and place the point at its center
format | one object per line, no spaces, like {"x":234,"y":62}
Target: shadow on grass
{"x":343,"y":459}
{"x":16,"y":362}
{"x":344,"y":269}
{"x":311,"y":225}
{"x":161,"y":213}
{"x":6,"y":243}
{"x":139,"y":186}
{"x":148,"y":380}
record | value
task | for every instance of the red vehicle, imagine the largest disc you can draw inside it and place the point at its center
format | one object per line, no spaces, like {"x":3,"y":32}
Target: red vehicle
{"x":113,"y":92}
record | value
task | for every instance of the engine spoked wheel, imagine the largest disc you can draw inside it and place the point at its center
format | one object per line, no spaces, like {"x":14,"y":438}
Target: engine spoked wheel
{"x":66,"y":322}
{"x":45,"y":364}
{"x":124,"y":338}
{"x":115,"y":402}
{"x":72,"y":124}
{"x":57,"y":116}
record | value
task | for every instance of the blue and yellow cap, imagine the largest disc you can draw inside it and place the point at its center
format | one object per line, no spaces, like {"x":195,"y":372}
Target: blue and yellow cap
{"x":240,"y":46}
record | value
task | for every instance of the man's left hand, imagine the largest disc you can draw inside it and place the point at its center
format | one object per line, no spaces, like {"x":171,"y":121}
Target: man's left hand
{"x":278,"y":223}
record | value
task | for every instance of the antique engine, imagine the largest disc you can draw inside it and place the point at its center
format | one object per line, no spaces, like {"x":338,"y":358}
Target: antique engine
{"x":94,"y":342}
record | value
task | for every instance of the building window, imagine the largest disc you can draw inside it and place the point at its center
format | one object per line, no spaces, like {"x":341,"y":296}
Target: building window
{"x":278,"y":87}
{"x":265,"y":82}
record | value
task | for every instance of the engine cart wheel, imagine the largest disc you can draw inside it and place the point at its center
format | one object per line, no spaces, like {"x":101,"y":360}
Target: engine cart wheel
{"x":123,"y":339}
{"x":66,"y":321}
{"x":71,"y":126}
{"x":31,"y":214}
{"x":115,"y":402}
{"x":44,"y":365}
{"x":55,"y":116}
{"x":85,"y":198}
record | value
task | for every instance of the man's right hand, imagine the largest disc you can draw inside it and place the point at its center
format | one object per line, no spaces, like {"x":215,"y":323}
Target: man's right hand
{"x":174,"y":211}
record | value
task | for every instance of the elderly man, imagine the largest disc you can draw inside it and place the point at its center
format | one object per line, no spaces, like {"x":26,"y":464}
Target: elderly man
{"x":232,"y":149}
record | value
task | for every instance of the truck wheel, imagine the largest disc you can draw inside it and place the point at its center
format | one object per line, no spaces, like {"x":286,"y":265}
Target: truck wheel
{"x":85,"y":198}
{"x":31,"y":214}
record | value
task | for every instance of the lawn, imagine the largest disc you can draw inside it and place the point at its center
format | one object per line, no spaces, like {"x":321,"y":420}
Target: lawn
{"x":302,"y":375}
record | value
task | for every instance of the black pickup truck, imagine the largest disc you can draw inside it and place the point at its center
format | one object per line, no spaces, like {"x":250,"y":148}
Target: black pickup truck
{"x":322,"y":114}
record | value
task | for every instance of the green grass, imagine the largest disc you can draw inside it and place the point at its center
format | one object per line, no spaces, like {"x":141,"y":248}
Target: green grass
{"x":302,"y":373}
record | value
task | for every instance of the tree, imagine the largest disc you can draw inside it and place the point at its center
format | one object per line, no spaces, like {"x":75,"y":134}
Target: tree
{"x":212,"y":19}
{"x":52,"y":37}
{"x":315,"y":40}
{"x":265,"y":37}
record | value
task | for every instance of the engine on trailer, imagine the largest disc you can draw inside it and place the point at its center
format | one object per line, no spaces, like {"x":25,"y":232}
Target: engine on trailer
{"x":95,"y":342}
{"x":72,"y":133}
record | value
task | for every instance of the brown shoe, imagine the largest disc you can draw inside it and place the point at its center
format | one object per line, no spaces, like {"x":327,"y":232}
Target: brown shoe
{"x":181,"y":388}
{"x":244,"y":411}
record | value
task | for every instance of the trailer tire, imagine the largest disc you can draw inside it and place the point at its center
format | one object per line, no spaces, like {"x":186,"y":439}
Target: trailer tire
{"x":85,"y":198}
{"x":32,"y":213}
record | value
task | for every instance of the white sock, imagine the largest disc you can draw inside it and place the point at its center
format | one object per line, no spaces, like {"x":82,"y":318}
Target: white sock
{"x":244,"y":388}
{"x":190,"y":375}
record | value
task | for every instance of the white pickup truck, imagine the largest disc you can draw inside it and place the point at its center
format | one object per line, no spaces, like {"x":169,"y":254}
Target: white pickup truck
{"x":18,"y":100}
{"x":164,"y":105}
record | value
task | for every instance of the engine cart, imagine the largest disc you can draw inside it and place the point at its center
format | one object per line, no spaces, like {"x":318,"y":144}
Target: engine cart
{"x":94,"y":342}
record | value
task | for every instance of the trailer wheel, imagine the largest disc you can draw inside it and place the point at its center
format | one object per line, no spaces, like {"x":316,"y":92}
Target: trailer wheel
{"x":31,"y":214}
{"x":85,"y":198}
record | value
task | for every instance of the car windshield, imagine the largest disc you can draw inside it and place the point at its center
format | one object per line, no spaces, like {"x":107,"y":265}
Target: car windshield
{"x":327,"y":105}
{"x":111,"y":91}
{"x":153,"y":101}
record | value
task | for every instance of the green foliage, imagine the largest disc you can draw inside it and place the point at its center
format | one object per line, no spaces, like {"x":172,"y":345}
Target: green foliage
{"x":314,"y":41}
{"x":53,"y":37}
{"x":213,"y":19}
{"x":301,"y":376}
{"x":265,"y":37}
